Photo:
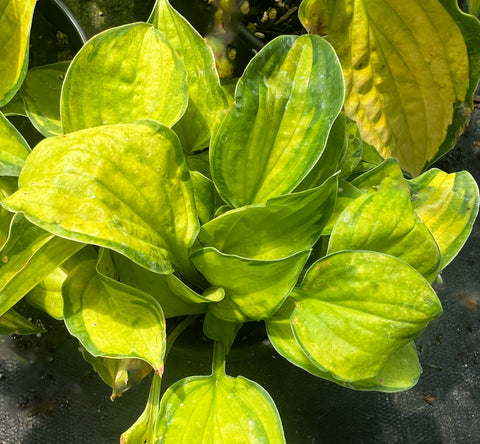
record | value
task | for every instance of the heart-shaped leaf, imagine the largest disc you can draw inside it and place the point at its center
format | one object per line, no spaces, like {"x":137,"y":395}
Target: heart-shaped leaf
{"x":13,"y":149}
{"x":296,"y":85}
{"x":448,"y":205}
{"x":124,"y":187}
{"x":41,"y":95}
{"x":124,"y":74}
{"x":396,"y":57}
{"x":111,"y":319}
{"x":218,"y":408}
{"x":401,"y":371}
{"x":206,"y":99}
{"x":279,"y":228}
{"x":15,"y":22}
{"x":28,"y":256}
{"x":254,"y":289}
{"x":385,"y":222}
{"x":355,"y":309}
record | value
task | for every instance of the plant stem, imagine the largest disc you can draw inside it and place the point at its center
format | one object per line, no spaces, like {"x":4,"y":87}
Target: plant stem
{"x":172,"y":337}
{"x":218,"y":364}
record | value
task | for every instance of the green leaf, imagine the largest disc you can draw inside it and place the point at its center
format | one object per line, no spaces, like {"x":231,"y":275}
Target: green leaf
{"x":474,"y":7}
{"x":385,"y":222}
{"x":8,"y":185}
{"x":13,"y":323}
{"x":28,"y":256}
{"x":15,"y":22}
{"x":47,"y":295}
{"x":329,"y":161}
{"x":206,"y":99}
{"x":15,"y":107}
{"x":254,"y":288}
{"x":279,"y":228}
{"x":448,"y":205}
{"x":41,"y":95}
{"x":285,"y":104}
{"x":218,"y":408}
{"x":219,"y":330}
{"x":396,"y":57}
{"x":355,"y":309}
{"x":13,"y":149}
{"x":205,"y":196}
{"x":119,"y":374}
{"x":386,"y":174}
{"x":175,"y":297}
{"x":354,"y":151}
{"x":401,"y":371}
{"x":111,"y":319}
{"x":124,"y":74}
{"x":143,"y":430}
{"x":124,"y":187}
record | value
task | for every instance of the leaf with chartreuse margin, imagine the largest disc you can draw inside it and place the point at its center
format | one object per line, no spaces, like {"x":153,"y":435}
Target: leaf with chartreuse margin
{"x":254,"y":288}
{"x":279,"y":228}
{"x":206,"y":99}
{"x":396,"y":57}
{"x":125,"y":187}
{"x":401,"y":371}
{"x":13,"y":149}
{"x":124,"y":74}
{"x":354,"y":309}
{"x":385,"y":222}
{"x":448,"y":205}
{"x":111,"y":319}
{"x":218,"y":408}
{"x":28,"y":256}
{"x":41,"y":95}
{"x":15,"y":22}
{"x":276,"y":130}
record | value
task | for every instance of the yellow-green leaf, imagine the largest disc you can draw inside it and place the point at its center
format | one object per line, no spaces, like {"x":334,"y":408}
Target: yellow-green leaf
{"x":408,"y":70}
{"x":448,"y":206}
{"x":13,"y":149}
{"x":206,"y":99}
{"x":122,"y":75}
{"x":15,"y":22}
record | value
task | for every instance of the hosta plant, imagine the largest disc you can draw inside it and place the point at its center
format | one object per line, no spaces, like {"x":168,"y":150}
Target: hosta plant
{"x":301,"y":200}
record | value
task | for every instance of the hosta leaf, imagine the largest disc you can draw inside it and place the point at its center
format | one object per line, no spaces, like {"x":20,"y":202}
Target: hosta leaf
{"x":254,"y":289}
{"x":41,"y":95}
{"x":347,"y":193}
{"x":176,"y":298}
{"x":124,"y":187}
{"x":27,"y":257}
{"x":205,"y":196}
{"x":15,"y":22}
{"x":13,"y":323}
{"x":13,"y":149}
{"x":355,"y":309}
{"x":385,"y":222}
{"x":329,"y":161}
{"x":47,"y":295}
{"x":448,"y":205}
{"x":282,"y":226}
{"x":143,"y":430}
{"x":386,"y":174}
{"x":218,"y":408}
{"x":8,"y":185}
{"x":219,"y":330}
{"x":400,"y":372}
{"x":474,"y":7}
{"x":111,"y":319}
{"x":354,"y":151}
{"x":119,"y":374}
{"x":396,"y":57}
{"x":124,"y":74}
{"x":206,"y":99}
{"x":15,"y":107}
{"x":295,"y":85}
